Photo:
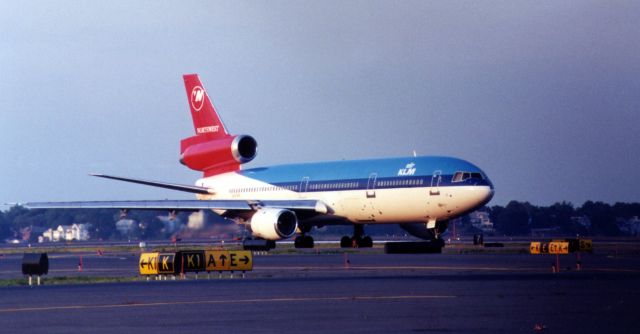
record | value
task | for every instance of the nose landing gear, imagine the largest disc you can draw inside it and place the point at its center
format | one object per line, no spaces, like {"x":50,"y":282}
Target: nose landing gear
{"x":303,"y":240}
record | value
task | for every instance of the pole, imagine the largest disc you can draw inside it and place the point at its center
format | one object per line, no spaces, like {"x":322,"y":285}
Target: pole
{"x":455,"y":235}
{"x":578,"y":262}
{"x":182,"y":267}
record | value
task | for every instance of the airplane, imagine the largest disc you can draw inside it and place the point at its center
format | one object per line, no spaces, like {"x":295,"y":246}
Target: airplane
{"x":420,"y":193}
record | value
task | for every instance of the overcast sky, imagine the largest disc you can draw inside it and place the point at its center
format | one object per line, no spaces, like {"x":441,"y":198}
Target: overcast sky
{"x":544,"y":96}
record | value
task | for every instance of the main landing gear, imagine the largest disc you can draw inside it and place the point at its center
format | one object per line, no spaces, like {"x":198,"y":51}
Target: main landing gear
{"x":303,"y":241}
{"x":358,"y":239}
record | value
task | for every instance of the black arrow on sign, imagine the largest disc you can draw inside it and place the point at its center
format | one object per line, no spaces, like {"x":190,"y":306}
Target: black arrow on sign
{"x":245,"y":259}
{"x":143,"y":263}
{"x":222,"y":259}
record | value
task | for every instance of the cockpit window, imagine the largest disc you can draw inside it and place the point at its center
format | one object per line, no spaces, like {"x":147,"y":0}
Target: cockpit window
{"x":462,"y":176}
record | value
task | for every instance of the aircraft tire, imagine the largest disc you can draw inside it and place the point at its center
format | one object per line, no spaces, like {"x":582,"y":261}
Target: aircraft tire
{"x":366,"y":242}
{"x":308,"y":241}
{"x":303,"y":242}
{"x":345,"y":242}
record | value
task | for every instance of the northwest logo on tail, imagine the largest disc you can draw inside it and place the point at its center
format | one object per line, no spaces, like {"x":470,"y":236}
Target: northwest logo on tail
{"x":197,"y":98}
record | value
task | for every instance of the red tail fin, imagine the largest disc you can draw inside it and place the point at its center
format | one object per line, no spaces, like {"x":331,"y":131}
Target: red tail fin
{"x":206,"y":121}
{"x":212,"y":150}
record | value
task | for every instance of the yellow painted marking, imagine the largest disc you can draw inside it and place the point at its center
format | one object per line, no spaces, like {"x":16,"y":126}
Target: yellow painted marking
{"x":615,"y":270}
{"x":193,"y":260}
{"x":586,"y":245}
{"x":190,"y":263}
{"x":534,"y":248}
{"x":148,"y":264}
{"x":240,"y":260}
{"x":558,"y":247}
{"x":216,"y":260}
{"x":238,"y":301}
{"x":166,"y":263}
{"x":352,"y":267}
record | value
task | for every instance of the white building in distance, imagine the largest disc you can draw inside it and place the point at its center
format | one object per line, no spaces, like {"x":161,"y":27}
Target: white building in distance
{"x":78,"y":232}
{"x":481,"y":221}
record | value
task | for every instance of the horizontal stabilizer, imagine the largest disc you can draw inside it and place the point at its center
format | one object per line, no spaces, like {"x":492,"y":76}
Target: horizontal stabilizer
{"x":172,"y":186}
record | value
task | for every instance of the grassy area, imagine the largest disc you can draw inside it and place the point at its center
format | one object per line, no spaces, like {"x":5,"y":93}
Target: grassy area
{"x":110,"y":249}
{"x":510,"y":247}
{"x":59,"y":280}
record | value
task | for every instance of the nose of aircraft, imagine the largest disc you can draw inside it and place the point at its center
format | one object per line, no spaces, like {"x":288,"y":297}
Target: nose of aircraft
{"x":489,"y":195}
{"x":487,"y":192}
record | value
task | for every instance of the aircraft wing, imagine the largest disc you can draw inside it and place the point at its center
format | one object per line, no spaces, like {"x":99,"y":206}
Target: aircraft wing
{"x":186,"y":205}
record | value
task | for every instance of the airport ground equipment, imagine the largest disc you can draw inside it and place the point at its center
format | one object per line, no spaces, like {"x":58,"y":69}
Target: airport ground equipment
{"x":562,"y":246}
{"x":35,"y":264}
{"x":194,"y":261}
{"x":419,"y":247}
{"x":258,"y":244}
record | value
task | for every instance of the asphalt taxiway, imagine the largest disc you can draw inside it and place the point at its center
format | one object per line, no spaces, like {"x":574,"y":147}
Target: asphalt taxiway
{"x":342,"y":292}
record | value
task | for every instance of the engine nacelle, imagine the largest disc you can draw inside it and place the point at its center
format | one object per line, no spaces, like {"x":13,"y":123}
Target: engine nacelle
{"x":274,"y":224}
{"x":214,"y":156}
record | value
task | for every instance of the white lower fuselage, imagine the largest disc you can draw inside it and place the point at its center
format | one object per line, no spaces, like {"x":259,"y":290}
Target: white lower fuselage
{"x":371,"y":200}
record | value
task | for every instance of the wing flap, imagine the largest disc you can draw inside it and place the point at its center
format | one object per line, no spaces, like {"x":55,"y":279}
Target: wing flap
{"x":185,"y":205}
{"x":144,"y":205}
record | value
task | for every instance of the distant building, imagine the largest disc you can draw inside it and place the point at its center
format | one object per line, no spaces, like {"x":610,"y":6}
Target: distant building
{"x":78,"y":232}
{"x":581,"y":220}
{"x":546,"y":232}
{"x":481,"y":221}
{"x":630,"y":226}
{"x":27,"y":232}
{"x":126,"y":226}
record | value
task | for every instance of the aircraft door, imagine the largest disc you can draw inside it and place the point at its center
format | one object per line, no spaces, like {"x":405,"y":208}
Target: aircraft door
{"x":304,"y":184}
{"x":371,"y":185}
{"x":436,"y":178}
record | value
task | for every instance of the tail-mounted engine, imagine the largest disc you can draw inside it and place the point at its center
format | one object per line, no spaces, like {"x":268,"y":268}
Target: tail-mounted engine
{"x":220,"y":155}
{"x":212,"y":150}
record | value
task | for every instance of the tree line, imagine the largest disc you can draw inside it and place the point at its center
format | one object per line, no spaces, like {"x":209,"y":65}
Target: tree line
{"x":514,"y":219}
{"x":592,"y":218}
{"x":24,"y":224}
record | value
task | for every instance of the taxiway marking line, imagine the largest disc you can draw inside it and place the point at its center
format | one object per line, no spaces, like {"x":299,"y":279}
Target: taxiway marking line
{"x":239,"y":301}
{"x":356,"y":267}
{"x":614,"y":270}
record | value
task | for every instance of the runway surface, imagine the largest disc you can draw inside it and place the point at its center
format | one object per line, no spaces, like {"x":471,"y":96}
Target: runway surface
{"x":352,"y":293}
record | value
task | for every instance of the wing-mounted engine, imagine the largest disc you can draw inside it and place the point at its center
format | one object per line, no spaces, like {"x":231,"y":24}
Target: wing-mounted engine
{"x":217,"y":155}
{"x":274,"y":224}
